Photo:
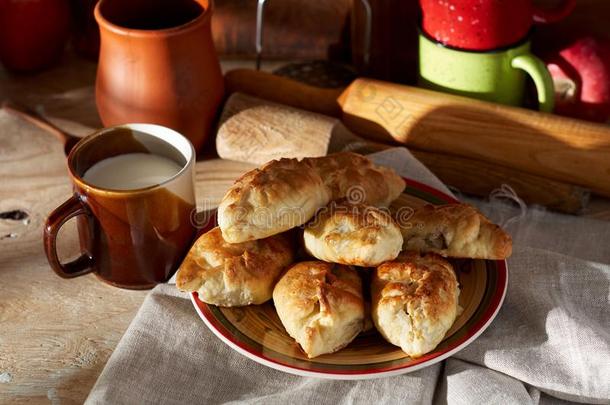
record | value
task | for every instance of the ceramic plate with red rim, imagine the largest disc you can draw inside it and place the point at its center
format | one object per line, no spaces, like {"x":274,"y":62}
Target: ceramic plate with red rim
{"x":257,"y":333}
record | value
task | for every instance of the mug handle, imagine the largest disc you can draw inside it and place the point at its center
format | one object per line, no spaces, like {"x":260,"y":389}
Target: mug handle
{"x":543,"y":16}
{"x":79,"y":266}
{"x":542,"y":79}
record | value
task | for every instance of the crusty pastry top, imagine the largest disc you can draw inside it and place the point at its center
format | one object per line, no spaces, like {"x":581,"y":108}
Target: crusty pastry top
{"x":455,"y":230}
{"x":320,"y":305}
{"x":424,"y":279}
{"x":353,"y":234}
{"x":356,"y":178}
{"x":414,"y":301}
{"x":286,"y":193}
{"x":236,"y":274}
{"x":280,"y":195}
{"x":308,"y":283}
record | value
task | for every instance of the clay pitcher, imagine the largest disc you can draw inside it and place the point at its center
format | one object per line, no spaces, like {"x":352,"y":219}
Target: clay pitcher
{"x":158,"y":65}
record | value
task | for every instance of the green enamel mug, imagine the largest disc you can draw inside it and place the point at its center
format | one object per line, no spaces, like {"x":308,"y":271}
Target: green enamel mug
{"x":497,"y":76}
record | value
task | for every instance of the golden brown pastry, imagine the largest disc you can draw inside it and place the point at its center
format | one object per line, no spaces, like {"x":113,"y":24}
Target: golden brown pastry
{"x":454,"y":230}
{"x":353,"y":234}
{"x":353,"y":176}
{"x":236,"y":274}
{"x":320,"y":305}
{"x":414,"y":301}
{"x":280,"y":195}
{"x":286,"y":193}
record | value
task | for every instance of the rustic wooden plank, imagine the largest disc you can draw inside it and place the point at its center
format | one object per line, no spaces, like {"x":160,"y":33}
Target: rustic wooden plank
{"x":58,"y":334}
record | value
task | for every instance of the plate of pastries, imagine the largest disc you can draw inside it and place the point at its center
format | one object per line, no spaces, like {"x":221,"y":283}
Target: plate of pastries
{"x":334,"y":267}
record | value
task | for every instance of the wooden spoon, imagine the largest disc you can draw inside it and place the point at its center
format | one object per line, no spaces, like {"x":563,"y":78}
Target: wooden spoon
{"x":67,"y":139}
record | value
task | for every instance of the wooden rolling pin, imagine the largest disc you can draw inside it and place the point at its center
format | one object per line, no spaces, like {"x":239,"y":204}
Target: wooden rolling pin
{"x":256,"y":131}
{"x":564,"y":149}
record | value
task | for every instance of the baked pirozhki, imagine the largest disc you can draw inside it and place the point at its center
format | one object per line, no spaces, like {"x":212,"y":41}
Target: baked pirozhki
{"x":414,"y":301}
{"x":353,"y":176}
{"x":286,"y":193}
{"x":234,"y":274}
{"x":281,"y":195}
{"x":320,"y":305}
{"x":353,"y":234}
{"x":454,"y":230}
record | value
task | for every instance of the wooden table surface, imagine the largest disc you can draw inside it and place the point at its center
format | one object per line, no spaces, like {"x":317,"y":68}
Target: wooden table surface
{"x":57,"y":334}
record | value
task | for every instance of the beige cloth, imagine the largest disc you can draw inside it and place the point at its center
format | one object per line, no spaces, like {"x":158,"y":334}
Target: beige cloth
{"x":549,"y":343}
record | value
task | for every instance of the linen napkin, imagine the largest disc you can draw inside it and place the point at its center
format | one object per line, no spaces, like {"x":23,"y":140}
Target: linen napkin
{"x":550,"y":341}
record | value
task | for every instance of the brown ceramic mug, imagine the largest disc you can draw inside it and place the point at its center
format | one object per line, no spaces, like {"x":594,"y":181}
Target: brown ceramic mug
{"x":158,"y":64}
{"x":130,"y":238}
